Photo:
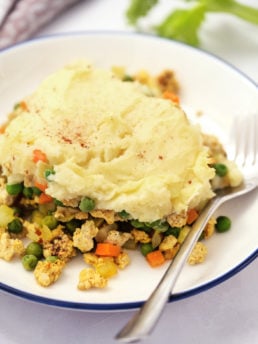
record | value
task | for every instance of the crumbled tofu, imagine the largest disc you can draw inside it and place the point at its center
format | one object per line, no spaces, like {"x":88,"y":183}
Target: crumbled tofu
{"x":28,"y":180}
{"x":10,"y":247}
{"x":27,"y":202}
{"x":122,"y":260}
{"x":83,"y":237}
{"x":209,"y":228}
{"x":177,"y":220}
{"x":198,"y":254}
{"x":214,"y":145}
{"x":168,"y":242}
{"x":103,"y":231}
{"x":108,"y":215}
{"x":90,"y":278}
{"x":140,"y":236}
{"x":169,"y":247}
{"x":145,"y":78}
{"x":93,"y":259}
{"x":5,"y":198}
{"x":170,"y":254}
{"x":61,"y":246}
{"x":2,"y":230}
{"x":71,"y":202}
{"x":118,"y":238}
{"x":66,"y":214}
{"x":90,"y":258}
{"x":167,"y":81}
{"x":57,"y":232}
{"x":47,"y":272}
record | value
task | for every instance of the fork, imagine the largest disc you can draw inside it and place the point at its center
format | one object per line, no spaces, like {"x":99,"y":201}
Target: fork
{"x":245,"y":133}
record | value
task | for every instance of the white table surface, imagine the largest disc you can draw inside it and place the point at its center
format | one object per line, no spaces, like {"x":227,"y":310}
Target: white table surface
{"x":227,"y":313}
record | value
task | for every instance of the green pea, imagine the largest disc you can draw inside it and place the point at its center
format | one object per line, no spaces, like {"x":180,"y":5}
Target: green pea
{"x":29,"y":262}
{"x":49,"y":172}
{"x":14,"y":189}
{"x":27,"y":192}
{"x":52,"y":259}
{"x":35,"y":249}
{"x":146,"y":248}
{"x":50,"y":221}
{"x":87,"y":204}
{"x":15,"y":226}
{"x":220,"y":169}
{"x":223,"y":224}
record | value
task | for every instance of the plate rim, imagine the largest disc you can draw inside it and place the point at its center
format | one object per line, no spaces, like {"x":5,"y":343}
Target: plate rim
{"x":84,"y":306}
{"x":127,"y":33}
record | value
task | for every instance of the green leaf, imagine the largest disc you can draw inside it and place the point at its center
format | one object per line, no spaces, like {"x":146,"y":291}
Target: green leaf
{"x":233,"y":7}
{"x":138,"y":9}
{"x":183,"y":25}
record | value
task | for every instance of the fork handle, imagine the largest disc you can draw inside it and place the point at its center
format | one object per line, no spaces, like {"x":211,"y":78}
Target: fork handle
{"x":143,"y":322}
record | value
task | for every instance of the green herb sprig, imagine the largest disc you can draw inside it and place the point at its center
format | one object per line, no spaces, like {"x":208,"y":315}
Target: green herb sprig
{"x":184,"y":24}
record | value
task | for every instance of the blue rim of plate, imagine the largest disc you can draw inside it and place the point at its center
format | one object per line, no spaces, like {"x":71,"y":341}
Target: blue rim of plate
{"x":126,"y":305}
{"x":137,"y":304}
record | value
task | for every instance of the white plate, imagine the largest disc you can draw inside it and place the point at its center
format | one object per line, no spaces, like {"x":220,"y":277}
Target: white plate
{"x":208,"y":84}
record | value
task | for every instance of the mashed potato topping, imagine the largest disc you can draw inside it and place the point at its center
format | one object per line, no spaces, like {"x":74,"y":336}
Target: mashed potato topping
{"x":110,"y":141}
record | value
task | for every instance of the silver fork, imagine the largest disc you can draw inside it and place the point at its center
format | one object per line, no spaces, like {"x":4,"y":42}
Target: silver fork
{"x":246,"y":157}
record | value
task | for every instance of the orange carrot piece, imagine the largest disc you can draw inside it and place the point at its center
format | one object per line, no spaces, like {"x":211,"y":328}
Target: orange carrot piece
{"x":192,"y":215}
{"x":23,"y":105}
{"x":41,"y":187}
{"x":171,"y":96}
{"x":44,"y":198}
{"x":107,"y":249}
{"x":38,"y":155}
{"x":155,"y":258}
{"x":2,"y":129}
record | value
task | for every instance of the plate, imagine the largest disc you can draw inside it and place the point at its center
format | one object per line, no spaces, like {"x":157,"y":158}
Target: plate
{"x":208,"y":85}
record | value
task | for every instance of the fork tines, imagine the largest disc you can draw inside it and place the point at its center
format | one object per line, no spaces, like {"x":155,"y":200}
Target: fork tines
{"x":246,"y":141}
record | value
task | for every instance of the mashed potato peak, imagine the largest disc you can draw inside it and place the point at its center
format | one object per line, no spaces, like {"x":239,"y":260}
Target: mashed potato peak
{"x":108,"y":140}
